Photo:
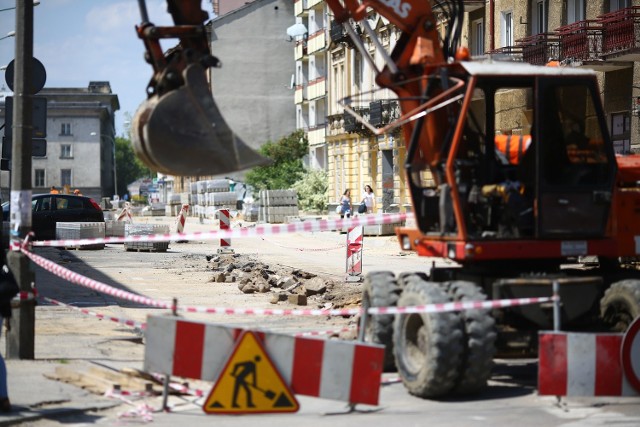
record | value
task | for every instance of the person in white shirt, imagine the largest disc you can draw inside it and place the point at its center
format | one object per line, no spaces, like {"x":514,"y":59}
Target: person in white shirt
{"x":369,"y":198}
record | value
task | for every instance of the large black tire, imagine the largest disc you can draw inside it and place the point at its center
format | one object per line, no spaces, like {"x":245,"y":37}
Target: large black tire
{"x":480,"y":339}
{"x":620,"y":305}
{"x":427,"y":346}
{"x":381,"y":290}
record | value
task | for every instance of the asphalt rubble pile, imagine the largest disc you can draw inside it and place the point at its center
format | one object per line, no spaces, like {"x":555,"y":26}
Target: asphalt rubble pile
{"x":286,"y":284}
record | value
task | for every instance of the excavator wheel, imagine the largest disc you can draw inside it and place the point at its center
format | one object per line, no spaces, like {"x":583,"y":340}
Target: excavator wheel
{"x":480,"y":339}
{"x":620,"y":305}
{"x":427,"y":346}
{"x":381,"y":290}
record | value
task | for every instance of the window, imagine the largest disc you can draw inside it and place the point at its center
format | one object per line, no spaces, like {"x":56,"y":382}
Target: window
{"x":477,"y":37}
{"x":507,"y":29}
{"x":575,"y":11}
{"x":540,"y":14}
{"x":39,"y":178}
{"x":621,"y":132}
{"x":65,"y":129}
{"x":65,"y":151}
{"x":65,"y":177}
{"x":619,"y":4}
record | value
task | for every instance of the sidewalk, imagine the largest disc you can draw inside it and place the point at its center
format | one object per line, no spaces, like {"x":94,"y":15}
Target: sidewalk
{"x":35,"y":397}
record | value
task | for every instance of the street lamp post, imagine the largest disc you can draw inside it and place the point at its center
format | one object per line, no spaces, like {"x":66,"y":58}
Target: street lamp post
{"x":9,"y":34}
{"x":35,"y":3}
{"x":113,"y":143}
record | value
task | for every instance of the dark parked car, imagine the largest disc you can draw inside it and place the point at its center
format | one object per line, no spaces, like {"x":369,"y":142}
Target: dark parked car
{"x":48,"y":209}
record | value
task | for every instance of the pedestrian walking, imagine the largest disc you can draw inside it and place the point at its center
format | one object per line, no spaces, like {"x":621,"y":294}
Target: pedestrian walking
{"x":345,"y":204}
{"x":8,"y":289}
{"x":368,"y":200}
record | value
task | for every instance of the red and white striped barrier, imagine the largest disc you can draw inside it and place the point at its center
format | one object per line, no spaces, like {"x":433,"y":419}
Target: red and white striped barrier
{"x":181,"y":219}
{"x":581,"y":364}
{"x":354,"y":251}
{"x":225,"y":224}
{"x":122,"y":321}
{"x":339,"y":370}
{"x":260,"y":230}
{"x":125,"y":215}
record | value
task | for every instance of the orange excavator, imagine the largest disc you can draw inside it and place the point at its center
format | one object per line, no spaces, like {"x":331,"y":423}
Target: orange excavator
{"x":514,"y":178}
{"x":512,"y":175}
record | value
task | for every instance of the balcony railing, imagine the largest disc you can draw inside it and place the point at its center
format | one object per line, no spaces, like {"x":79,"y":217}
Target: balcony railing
{"x":299,"y":7}
{"x":383,"y":112}
{"x":339,"y":34}
{"x":300,"y":49}
{"x":353,"y":125}
{"x":515,"y":52}
{"x":316,"y":41}
{"x":316,"y":134}
{"x":539,"y":49}
{"x":317,"y":88}
{"x":300,"y":94}
{"x":581,"y":41}
{"x":620,"y":30}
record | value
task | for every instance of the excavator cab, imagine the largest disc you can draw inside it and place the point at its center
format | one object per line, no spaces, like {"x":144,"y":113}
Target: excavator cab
{"x":530,"y":158}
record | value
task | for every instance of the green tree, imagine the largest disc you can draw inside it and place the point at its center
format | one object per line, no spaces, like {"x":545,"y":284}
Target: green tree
{"x":312,"y":191}
{"x":286,"y":167}
{"x":128,"y":167}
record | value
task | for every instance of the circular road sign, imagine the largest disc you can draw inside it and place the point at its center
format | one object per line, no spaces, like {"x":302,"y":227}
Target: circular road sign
{"x":39,"y":75}
{"x":631,"y":354}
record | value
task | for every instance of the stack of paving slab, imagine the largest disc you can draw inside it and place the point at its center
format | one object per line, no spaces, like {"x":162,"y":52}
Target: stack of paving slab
{"x":174,"y":204}
{"x":146,"y":230}
{"x":209,"y":196}
{"x":81,"y":230}
{"x":277,"y":205}
{"x":114,"y":228}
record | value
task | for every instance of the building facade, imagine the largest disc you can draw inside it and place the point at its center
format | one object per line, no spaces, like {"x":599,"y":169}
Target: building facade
{"x":311,"y":50}
{"x":601,"y":35}
{"x":80,"y":141}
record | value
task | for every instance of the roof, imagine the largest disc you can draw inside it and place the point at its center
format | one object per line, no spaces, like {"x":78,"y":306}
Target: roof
{"x":498,"y":68}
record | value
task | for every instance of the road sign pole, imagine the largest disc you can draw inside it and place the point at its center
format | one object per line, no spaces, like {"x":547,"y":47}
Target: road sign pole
{"x":20,"y":339}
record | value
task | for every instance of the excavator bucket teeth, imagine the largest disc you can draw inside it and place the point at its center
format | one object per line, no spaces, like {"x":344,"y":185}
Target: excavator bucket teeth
{"x":182,"y":133}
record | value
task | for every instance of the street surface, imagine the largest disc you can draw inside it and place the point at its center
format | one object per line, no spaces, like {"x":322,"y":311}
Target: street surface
{"x":184,"y":273}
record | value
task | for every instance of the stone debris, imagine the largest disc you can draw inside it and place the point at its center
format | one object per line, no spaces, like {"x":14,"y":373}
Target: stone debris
{"x":297,"y":299}
{"x":286,"y":284}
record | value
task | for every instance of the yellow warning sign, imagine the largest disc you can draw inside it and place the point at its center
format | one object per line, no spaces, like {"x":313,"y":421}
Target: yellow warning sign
{"x":250,"y":383}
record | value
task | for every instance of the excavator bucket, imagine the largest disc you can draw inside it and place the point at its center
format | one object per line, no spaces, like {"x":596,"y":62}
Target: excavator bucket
{"x":182,"y":132}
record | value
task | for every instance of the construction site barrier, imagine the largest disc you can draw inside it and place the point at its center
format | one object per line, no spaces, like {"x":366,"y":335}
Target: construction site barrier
{"x":583,"y":364}
{"x":338,"y":370}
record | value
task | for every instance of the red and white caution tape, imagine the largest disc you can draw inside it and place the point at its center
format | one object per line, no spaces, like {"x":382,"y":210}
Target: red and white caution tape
{"x":429,"y":308}
{"x":79,"y":279}
{"x":143,"y":411}
{"x":329,"y":332}
{"x":303,"y":249}
{"x":260,"y":230}
{"x":180,"y":388}
{"x":459,"y":306}
{"x":26,"y":296}
{"x":126,"y":322}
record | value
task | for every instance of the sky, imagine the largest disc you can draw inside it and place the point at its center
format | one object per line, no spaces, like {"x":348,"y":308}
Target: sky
{"x":79,"y":41}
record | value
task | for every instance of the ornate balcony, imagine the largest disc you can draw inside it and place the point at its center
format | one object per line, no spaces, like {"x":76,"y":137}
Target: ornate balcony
{"x":353,"y":125}
{"x":621,"y":34}
{"x":339,"y":34}
{"x":539,"y":49}
{"x":383,"y":112}
{"x":581,"y":41}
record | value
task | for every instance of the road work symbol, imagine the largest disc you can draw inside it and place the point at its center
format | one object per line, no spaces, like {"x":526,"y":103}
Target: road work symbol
{"x":250,"y":383}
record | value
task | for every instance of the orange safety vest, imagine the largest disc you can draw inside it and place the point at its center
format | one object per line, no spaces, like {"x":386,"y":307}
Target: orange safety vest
{"x":513,"y":146}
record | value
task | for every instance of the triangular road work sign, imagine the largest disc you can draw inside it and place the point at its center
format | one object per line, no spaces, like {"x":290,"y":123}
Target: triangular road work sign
{"x":250,"y":383}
